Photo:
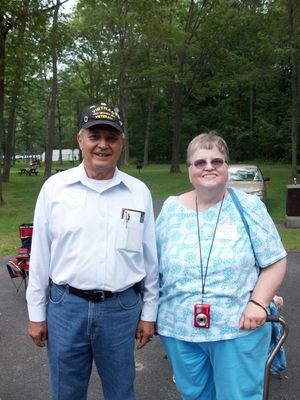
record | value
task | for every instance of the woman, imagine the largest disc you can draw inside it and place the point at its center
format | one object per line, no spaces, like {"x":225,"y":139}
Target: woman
{"x":213,"y":304}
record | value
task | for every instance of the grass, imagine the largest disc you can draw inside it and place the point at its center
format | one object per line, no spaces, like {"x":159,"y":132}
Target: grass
{"x":19,"y":195}
{"x":21,"y":192}
{"x":280,"y":175}
{"x":160,"y":182}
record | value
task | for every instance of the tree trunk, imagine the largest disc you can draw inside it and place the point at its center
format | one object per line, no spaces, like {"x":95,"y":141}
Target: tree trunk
{"x":51,"y":122}
{"x":4,"y":29}
{"x":190,"y":28}
{"x":60,"y":135}
{"x":19,"y":63}
{"x":9,"y":144}
{"x":178,"y":107}
{"x":252,"y":107}
{"x":123,"y":92}
{"x":148,"y":128}
{"x":124,"y":115}
{"x":295,"y":86}
{"x":2,"y":72}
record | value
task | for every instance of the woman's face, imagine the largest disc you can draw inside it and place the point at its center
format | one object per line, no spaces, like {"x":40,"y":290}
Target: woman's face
{"x":208,"y":170}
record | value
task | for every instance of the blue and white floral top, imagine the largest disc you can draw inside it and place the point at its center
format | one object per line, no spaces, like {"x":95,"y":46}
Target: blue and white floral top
{"x":231,"y":274}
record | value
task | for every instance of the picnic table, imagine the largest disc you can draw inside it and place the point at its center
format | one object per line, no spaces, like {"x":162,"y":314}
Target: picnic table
{"x":28,"y":171}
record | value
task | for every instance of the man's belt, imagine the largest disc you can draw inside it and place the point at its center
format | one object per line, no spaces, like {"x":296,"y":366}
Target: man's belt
{"x":99,"y":295}
{"x":93,"y":295}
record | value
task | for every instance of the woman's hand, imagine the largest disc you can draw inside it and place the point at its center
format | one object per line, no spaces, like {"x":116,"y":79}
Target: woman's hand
{"x":253,"y":317}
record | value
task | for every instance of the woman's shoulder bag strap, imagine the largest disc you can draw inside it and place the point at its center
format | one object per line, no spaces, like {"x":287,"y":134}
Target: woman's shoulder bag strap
{"x":239,"y":207}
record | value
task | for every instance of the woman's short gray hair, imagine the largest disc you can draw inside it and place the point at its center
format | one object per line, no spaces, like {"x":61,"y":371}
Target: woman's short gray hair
{"x":207,"y":141}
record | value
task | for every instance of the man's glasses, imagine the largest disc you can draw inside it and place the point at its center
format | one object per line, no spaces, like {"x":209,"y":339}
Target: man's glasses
{"x":215,"y":163}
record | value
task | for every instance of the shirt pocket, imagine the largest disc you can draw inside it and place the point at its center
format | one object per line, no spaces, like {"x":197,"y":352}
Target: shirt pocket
{"x":130,"y":236}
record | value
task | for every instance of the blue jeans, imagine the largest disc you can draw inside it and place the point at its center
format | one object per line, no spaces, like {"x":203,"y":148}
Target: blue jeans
{"x":80,"y":331}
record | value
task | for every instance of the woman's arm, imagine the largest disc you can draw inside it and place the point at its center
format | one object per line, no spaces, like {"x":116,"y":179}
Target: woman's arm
{"x":268,"y":283}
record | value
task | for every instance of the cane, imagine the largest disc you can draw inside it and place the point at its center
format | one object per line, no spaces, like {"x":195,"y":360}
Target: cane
{"x":280,"y":319}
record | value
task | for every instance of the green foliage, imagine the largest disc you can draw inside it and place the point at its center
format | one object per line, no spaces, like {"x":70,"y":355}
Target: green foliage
{"x":230,"y":60}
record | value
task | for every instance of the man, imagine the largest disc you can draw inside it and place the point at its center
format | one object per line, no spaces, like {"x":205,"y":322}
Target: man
{"x":93,"y":249}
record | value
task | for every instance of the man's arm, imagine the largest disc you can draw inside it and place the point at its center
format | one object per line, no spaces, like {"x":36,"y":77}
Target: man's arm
{"x":146,"y":325}
{"x":37,"y":290}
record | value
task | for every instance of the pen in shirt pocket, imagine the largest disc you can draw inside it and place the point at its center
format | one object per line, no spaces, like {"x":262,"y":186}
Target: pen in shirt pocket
{"x":126,"y":217}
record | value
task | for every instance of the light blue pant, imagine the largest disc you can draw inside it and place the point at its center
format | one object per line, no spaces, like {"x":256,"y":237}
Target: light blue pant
{"x":80,"y":331}
{"x":223,"y":370}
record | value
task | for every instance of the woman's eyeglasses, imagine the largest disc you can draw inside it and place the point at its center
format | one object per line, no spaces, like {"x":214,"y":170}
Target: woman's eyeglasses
{"x":215,"y":163}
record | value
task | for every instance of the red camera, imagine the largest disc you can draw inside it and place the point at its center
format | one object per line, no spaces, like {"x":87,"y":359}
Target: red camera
{"x":202,"y":315}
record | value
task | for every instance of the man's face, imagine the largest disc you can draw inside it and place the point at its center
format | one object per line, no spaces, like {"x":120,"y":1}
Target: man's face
{"x":101,"y":148}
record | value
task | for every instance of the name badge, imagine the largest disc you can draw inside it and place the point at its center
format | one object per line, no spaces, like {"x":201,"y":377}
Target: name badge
{"x":226,"y":232}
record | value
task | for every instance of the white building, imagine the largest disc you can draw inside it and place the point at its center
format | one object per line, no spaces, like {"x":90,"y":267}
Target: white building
{"x":67,"y":155}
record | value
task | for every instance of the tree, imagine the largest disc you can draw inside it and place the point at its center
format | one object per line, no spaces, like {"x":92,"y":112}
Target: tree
{"x":5,"y":27}
{"x":294,"y":44}
{"x":180,"y":54}
{"x":20,"y":25}
{"x":56,"y":45}
{"x":53,"y":101}
{"x":174,"y":67}
{"x":109,"y":29}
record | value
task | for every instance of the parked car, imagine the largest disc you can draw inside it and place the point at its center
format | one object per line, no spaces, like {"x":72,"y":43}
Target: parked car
{"x":248,"y":178}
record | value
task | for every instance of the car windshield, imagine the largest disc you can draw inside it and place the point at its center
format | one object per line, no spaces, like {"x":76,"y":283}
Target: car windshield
{"x":244,"y":174}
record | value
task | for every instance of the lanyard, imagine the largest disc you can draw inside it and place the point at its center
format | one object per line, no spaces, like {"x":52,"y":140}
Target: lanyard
{"x":203,"y":276}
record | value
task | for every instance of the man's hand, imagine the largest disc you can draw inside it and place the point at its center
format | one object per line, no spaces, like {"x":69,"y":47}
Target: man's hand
{"x":144,"y":333}
{"x":38,"y":332}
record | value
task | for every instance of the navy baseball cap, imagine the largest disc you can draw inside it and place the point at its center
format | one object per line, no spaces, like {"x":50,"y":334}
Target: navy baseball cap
{"x":101,"y":114}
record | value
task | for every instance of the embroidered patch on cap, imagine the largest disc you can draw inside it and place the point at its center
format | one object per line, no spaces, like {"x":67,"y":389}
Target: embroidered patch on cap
{"x":101,"y":114}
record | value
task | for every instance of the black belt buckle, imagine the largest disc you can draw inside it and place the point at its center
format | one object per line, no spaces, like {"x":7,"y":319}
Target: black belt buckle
{"x":92,"y":295}
{"x":95,"y":295}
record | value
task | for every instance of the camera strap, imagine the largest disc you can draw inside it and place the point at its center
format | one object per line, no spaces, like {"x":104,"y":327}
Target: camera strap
{"x":204,"y":273}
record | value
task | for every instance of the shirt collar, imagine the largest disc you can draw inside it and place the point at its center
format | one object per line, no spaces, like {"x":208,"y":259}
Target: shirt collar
{"x":78,"y":174}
